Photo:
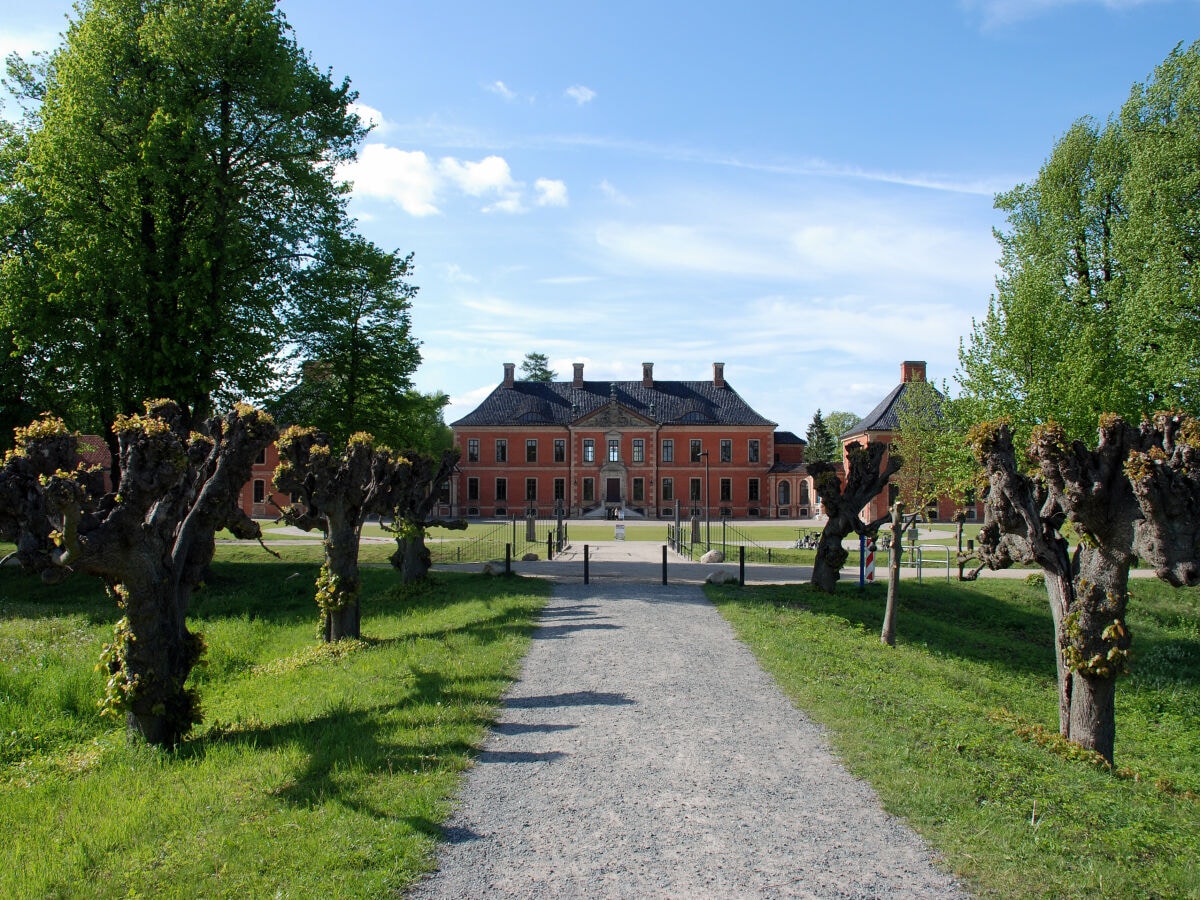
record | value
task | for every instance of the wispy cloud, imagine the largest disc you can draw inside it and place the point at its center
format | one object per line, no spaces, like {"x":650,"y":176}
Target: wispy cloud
{"x":500,"y":89}
{"x":842,"y":238}
{"x":999,"y":13}
{"x":580,"y":94}
{"x":609,"y":190}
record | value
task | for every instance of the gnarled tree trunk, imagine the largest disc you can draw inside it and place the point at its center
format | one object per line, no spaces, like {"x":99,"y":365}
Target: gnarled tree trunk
{"x":336,"y":494}
{"x":1137,"y":495}
{"x":411,"y":499}
{"x":867,"y":474}
{"x":151,"y":543}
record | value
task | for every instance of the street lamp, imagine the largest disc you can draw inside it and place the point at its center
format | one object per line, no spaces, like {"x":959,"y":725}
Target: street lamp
{"x":707,"y":523}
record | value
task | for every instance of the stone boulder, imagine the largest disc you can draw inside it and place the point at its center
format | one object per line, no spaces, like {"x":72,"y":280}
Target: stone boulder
{"x":529,"y":557}
{"x":493,"y":567}
{"x":713,"y":556}
{"x":720,"y":576}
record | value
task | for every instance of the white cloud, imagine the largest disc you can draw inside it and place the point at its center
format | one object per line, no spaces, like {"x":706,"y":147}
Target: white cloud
{"x":580,"y":94}
{"x":500,"y":89}
{"x":490,"y":174}
{"x":371,"y":117}
{"x":413,"y":181}
{"x":405,"y":178}
{"x":550,"y":192}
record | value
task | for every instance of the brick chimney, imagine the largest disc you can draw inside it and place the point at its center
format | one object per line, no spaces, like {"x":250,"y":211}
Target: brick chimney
{"x":718,"y":374}
{"x":647,"y":375}
{"x":912,"y":370}
{"x":578,"y":382}
{"x":509,"y":374}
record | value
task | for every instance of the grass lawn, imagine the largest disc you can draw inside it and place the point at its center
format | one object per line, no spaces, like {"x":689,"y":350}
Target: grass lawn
{"x":318,"y":771}
{"x":954,"y":727}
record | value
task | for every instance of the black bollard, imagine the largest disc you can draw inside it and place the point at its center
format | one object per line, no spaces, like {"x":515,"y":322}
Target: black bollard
{"x":664,"y":565}
{"x":742,"y":565}
{"x":585,"y":563}
{"x":508,"y":559}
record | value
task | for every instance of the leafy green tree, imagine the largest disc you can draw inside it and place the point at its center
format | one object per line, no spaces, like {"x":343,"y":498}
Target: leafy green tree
{"x":351,"y":324}
{"x":179,"y":169}
{"x":822,"y":447}
{"x":536,"y":367}
{"x":1094,"y":311}
{"x":839,"y":421}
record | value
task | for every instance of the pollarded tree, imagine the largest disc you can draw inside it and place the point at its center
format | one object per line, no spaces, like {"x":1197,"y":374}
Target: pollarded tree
{"x":413,"y":496}
{"x":180,"y":166}
{"x":335,"y":494}
{"x":867,"y":474}
{"x":1022,"y":524}
{"x":41,"y":450}
{"x":151,"y":543}
{"x":1135,"y":496}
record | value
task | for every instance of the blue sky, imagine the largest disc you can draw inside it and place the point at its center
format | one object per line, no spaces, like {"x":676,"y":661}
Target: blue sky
{"x":800,"y":190}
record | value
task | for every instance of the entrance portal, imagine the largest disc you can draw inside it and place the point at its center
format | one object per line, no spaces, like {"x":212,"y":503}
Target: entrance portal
{"x":612,"y":490}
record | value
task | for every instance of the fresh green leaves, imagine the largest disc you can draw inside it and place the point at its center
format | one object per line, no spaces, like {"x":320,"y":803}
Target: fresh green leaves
{"x":1095,"y":306}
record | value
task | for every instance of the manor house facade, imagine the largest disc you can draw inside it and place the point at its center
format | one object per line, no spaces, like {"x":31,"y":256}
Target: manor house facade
{"x":634,"y":448}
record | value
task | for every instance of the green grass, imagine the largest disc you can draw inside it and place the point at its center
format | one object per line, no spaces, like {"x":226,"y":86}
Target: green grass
{"x":946,"y":727}
{"x":318,"y":771}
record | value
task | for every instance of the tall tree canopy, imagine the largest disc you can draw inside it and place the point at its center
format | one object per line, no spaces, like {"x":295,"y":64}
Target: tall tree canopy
{"x":1095,"y":309}
{"x":177,"y":171}
{"x":536,"y":367}
{"x":350,"y":320}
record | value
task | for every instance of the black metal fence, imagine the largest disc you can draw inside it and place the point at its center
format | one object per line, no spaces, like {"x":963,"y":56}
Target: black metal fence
{"x":516,"y":537}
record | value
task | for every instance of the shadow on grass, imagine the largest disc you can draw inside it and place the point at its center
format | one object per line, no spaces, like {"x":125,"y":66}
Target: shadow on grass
{"x":1001,"y":625}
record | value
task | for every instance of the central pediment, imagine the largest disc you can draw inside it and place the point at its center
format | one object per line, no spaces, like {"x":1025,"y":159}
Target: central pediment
{"x":613,"y":415}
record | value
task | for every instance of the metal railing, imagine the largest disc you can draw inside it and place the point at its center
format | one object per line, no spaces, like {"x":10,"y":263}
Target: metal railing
{"x":733,"y":537}
{"x":920,"y":557}
{"x":514,"y":534}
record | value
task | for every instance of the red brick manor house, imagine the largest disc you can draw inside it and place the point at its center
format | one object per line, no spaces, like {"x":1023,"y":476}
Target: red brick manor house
{"x":593,"y":448}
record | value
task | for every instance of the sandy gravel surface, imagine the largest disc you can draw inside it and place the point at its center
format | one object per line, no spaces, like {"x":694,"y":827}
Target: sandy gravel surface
{"x":643,"y":753}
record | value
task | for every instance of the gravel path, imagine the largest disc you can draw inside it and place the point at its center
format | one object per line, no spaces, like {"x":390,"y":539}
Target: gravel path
{"x":643,"y":753}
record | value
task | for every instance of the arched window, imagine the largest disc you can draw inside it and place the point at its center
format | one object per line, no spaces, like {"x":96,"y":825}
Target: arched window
{"x":785,"y":493}
{"x":804,"y":493}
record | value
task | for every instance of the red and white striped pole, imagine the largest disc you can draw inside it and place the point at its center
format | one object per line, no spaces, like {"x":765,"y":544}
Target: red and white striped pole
{"x":870,"y":564}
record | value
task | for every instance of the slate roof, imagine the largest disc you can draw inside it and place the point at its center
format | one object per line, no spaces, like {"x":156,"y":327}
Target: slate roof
{"x":884,"y":417}
{"x":561,"y":403}
{"x":789,"y":437}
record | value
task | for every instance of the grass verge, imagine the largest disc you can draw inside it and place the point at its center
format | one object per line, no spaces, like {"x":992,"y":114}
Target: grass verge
{"x":319,"y":770}
{"x":956,"y":727}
